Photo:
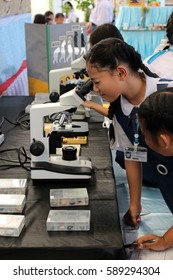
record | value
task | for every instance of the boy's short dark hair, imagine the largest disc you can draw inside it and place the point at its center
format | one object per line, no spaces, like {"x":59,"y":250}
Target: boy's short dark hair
{"x":48,"y":13}
{"x":104,"y":31}
{"x":58,"y":15}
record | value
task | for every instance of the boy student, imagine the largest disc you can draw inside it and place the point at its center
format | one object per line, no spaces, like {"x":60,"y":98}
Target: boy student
{"x":59,"y":18}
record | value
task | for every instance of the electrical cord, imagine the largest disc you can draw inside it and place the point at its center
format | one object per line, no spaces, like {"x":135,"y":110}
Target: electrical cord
{"x":25,"y":123}
{"x":21,"y":156}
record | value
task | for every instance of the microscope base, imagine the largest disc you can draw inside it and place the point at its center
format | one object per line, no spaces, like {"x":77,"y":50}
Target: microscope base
{"x":52,"y":171}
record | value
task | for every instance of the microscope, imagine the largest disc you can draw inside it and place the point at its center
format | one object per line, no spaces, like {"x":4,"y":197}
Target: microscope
{"x":78,"y":67}
{"x":45,"y":163}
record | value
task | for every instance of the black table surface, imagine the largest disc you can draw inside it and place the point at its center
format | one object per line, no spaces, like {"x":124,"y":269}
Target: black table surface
{"x":104,"y":240}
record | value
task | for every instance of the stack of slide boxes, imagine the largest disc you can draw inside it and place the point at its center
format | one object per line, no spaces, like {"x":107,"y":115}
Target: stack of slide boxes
{"x":12,"y":202}
{"x":68,"y":220}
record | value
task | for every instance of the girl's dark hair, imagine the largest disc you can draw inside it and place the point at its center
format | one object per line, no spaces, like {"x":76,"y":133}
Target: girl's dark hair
{"x":169,"y":29}
{"x":156,"y":112}
{"x":111,"y":52}
{"x":39,"y":18}
{"x":70,"y":4}
{"x":104,"y":31}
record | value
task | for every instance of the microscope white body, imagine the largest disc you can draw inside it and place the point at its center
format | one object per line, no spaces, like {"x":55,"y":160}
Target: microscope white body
{"x":51,"y":166}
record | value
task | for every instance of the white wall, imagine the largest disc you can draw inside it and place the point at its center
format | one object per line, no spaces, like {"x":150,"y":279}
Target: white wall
{"x":57,"y":6}
{"x":39,"y":7}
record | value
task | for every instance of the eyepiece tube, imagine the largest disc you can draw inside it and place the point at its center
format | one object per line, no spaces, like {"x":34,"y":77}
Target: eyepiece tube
{"x":85,"y":88}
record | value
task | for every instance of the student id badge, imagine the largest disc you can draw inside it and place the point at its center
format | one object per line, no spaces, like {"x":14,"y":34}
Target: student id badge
{"x":139,"y":154}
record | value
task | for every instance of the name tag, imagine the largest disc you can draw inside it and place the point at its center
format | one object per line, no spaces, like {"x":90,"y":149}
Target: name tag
{"x":139,"y":155}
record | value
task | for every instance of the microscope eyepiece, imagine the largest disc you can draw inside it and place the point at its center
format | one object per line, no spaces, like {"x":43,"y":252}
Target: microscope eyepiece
{"x":84,"y":88}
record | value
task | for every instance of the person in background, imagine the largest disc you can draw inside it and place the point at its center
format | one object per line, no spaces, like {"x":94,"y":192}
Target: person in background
{"x":72,"y":15}
{"x":155,"y":116}
{"x":39,"y":19}
{"x":59,"y":18}
{"x":103,"y":12}
{"x":120,"y":77}
{"x":104,"y":31}
{"x":161,"y":62}
{"x":49,"y":16}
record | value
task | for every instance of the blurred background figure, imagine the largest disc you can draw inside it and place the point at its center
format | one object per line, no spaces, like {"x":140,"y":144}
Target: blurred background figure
{"x":104,"y":31}
{"x":49,"y":17}
{"x":161,"y":62}
{"x":71,"y":14}
{"x":103,"y":12}
{"x":59,"y":18}
{"x":39,"y":19}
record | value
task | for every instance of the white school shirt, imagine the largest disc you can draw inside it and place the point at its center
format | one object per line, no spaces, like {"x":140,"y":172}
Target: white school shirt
{"x":161,"y":63}
{"x":72,"y":16}
{"x":121,"y":139}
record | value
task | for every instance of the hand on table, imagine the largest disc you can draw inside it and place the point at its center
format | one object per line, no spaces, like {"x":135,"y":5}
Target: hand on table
{"x":132,"y":218}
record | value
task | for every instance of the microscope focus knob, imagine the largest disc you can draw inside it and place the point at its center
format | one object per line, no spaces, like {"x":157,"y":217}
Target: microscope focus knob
{"x":54,"y":96}
{"x":37,"y":148}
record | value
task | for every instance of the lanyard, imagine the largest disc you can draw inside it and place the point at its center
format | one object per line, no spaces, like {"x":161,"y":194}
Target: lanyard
{"x":135,"y":127}
{"x":136,"y":135}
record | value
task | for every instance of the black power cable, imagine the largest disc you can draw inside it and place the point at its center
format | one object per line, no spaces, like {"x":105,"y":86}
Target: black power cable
{"x":21,"y":156}
{"x":23,"y":121}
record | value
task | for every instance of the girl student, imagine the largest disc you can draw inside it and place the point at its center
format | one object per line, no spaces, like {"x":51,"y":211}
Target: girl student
{"x":103,"y":31}
{"x":119,"y":76}
{"x":156,"y":121}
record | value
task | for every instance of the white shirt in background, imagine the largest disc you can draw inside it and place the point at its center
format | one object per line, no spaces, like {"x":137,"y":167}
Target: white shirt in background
{"x":72,"y":17}
{"x":161,"y":63}
{"x":102,"y":13}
